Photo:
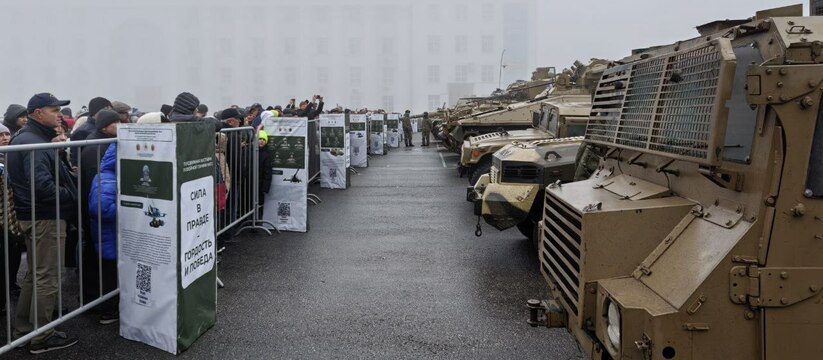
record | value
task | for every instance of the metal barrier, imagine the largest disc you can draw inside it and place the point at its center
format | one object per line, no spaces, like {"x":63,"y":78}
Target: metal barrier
{"x":313,"y":140}
{"x":66,"y":181}
{"x":239,"y":211}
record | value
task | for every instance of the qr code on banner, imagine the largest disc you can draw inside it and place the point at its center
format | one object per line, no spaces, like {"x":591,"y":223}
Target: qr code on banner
{"x":143,"y":278}
{"x":333,"y":173}
{"x":284,"y":209}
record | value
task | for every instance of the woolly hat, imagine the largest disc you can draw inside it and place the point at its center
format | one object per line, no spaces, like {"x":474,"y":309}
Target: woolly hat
{"x":152,"y":118}
{"x":97,"y":104}
{"x":185,"y":103}
{"x":262,"y":135}
{"x":5,"y":130}
{"x":120,"y":106}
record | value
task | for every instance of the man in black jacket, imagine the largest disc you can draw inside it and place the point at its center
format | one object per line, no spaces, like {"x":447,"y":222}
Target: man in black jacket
{"x":41,"y":216}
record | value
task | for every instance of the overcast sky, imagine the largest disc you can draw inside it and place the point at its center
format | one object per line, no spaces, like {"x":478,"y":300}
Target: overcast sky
{"x":583,"y":29}
{"x":140,"y":51}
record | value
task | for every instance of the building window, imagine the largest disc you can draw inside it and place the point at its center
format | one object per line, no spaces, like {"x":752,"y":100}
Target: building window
{"x":487,"y":44}
{"x":388,"y":103}
{"x":226,"y":48}
{"x":322,"y":75}
{"x":257,"y":48}
{"x":388,"y":45}
{"x":355,"y":100}
{"x":487,"y":12}
{"x":355,"y":46}
{"x":290,"y":76}
{"x":290,"y":46}
{"x":355,"y":76}
{"x":462,"y":12}
{"x":461,"y":73}
{"x":434,"y":44}
{"x":434,"y":74}
{"x":433,"y":10}
{"x":388,"y":76}
{"x":323,"y":46}
{"x":434,"y":102}
{"x":461,"y":44}
{"x":487,"y":74}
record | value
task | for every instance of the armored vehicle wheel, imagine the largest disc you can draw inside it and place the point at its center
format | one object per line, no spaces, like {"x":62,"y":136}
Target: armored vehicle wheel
{"x":481,"y":169}
{"x":527,"y":229}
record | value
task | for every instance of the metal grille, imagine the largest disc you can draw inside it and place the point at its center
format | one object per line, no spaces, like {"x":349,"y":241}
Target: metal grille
{"x":669,"y":104}
{"x":519,"y":172}
{"x":493,"y":173}
{"x":561,"y":244}
{"x":486,"y":136}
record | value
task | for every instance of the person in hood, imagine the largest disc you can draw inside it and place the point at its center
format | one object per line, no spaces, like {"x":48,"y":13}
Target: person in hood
{"x":40,"y":213}
{"x":90,"y":158}
{"x":83,"y":131}
{"x":183,"y":109}
{"x":15,"y":118}
{"x":102,"y":212}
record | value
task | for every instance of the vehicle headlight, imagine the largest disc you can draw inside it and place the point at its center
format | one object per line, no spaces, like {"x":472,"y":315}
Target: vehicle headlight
{"x":613,"y":329}
{"x":476,"y":152}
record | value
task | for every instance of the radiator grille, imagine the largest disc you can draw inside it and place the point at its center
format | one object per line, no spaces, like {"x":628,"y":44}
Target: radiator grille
{"x":672,"y":104}
{"x":561,"y":248}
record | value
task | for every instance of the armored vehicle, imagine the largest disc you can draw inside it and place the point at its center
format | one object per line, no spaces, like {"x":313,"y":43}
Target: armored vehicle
{"x":558,"y":116}
{"x":511,"y":193}
{"x":575,"y":81}
{"x":700,"y":236}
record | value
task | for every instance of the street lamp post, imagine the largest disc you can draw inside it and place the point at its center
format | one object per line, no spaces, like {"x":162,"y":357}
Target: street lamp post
{"x":500,"y":75}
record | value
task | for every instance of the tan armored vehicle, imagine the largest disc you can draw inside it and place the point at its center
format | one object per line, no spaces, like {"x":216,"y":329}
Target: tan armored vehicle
{"x":701,"y":235}
{"x":512,"y":193}
{"x":519,"y":116}
{"x":558,"y":116}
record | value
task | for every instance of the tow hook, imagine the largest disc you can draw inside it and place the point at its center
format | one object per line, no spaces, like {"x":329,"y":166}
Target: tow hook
{"x":479,"y":231}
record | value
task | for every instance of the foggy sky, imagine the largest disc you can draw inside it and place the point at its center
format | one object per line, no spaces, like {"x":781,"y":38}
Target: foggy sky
{"x":138,"y":49}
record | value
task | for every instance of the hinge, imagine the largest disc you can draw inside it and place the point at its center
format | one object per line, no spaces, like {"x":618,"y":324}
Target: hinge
{"x":696,"y":327}
{"x":772,"y":286}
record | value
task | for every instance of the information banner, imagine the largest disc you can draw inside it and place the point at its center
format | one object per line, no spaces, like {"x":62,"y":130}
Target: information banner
{"x":286,"y":205}
{"x":334,"y":145}
{"x":377,"y":127}
{"x":393,"y":130}
{"x":358,"y":139}
{"x":165,"y":211}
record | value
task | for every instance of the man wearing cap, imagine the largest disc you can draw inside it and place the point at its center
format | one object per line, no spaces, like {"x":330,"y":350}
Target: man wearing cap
{"x":427,"y":129}
{"x":407,"y":129}
{"x":40,"y":216}
{"x":201,"y":111}
{"x":123,"y":110}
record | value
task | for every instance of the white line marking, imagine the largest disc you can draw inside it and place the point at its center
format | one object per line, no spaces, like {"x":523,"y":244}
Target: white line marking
{"x":442,"y":160}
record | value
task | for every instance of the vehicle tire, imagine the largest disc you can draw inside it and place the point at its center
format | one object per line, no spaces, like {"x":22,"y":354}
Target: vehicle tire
{"x":481,"y":169}
{"x":529,"y":227}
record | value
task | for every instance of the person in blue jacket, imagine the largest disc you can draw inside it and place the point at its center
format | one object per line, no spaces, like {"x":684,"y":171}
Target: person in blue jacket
{"x":105,"y":183}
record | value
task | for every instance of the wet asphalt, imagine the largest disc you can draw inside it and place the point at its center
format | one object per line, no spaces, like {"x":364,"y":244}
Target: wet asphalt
{"x":389,"y":269}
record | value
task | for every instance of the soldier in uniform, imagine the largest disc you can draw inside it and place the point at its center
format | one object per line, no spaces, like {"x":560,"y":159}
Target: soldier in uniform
{"x":427,"y":129}
{"x":407,"y":129}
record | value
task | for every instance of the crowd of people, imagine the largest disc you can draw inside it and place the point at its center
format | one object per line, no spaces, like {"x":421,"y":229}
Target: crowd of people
{"x":40,"y":213}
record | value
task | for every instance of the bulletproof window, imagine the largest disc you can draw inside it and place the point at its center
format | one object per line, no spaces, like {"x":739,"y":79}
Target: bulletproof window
{"x":742,"y":120}
{"x":552,"y":122}
{"x":814,"y":180}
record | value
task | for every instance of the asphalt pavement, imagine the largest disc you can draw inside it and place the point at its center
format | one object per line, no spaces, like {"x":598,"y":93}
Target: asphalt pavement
{"x":390,"y":268}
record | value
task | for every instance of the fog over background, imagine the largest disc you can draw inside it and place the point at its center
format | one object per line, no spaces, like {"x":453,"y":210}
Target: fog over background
{"x":392,"y":54}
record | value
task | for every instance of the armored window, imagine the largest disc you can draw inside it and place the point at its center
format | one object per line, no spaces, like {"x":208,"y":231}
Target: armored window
{"x":552,"y":122}
{"x":814,"y":180}
{"x":742,"y":118}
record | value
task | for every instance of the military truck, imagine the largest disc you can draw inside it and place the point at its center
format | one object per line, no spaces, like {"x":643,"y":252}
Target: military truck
{"x":700,"y":234}
{"x":558,"y":116}
{"x":515,"y":121}
{"x":511,"y":193}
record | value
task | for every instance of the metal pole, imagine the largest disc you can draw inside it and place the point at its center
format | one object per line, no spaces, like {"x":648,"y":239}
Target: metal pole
{"x":500,"y":74}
